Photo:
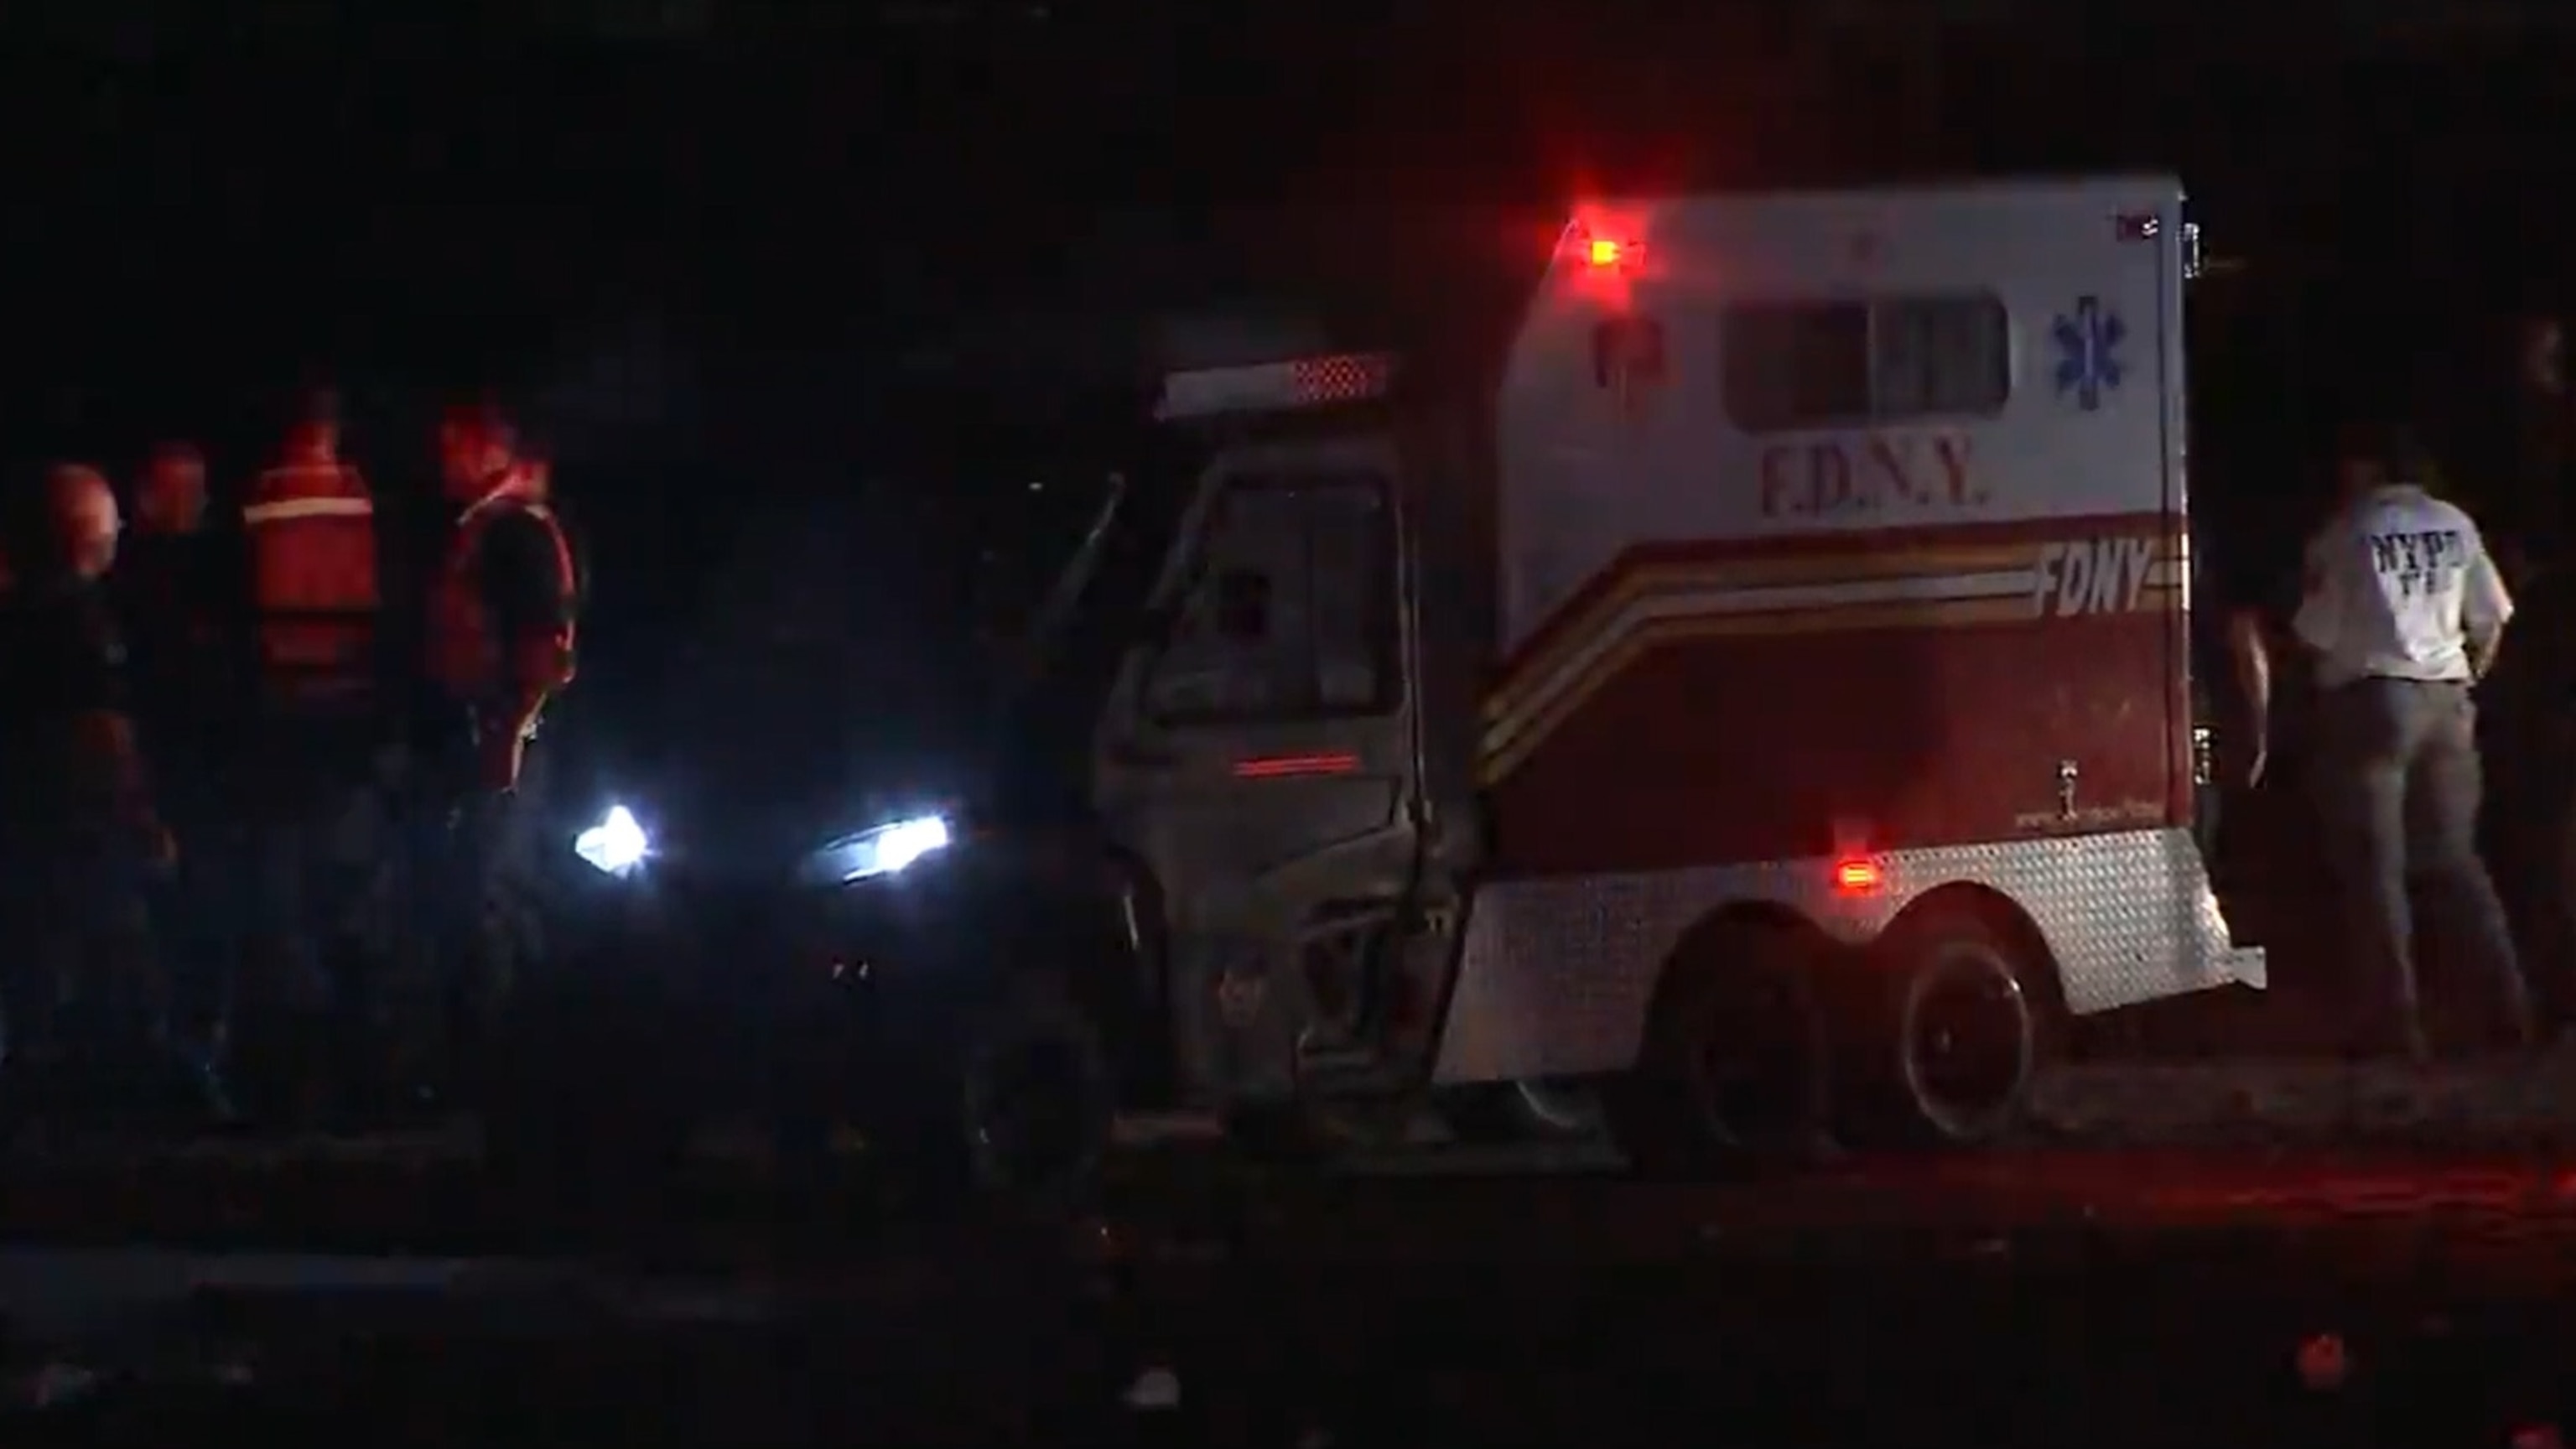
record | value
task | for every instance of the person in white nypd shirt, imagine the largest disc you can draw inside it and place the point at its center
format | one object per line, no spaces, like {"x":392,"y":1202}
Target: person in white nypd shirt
{"x":2402,"y":612}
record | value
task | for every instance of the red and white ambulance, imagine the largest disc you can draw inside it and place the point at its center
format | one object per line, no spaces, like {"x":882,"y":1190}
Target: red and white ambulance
{"x":1762,"y":694}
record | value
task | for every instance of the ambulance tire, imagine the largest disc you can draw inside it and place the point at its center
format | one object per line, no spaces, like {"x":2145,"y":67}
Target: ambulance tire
{"x":1953,"y":1021}
{"x":1735,"y":1074}
{"x":1018,"y":1112}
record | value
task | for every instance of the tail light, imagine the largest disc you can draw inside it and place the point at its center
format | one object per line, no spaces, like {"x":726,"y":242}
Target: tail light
{"x":1858,"y":875}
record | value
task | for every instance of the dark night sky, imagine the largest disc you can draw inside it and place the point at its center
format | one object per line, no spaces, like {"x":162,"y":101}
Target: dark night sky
{"x":694,"y":254}
{"x":203,"y":208}
{"x":203,"y":211}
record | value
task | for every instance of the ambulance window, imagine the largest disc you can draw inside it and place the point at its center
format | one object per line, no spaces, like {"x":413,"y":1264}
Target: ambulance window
{"x":1350,"y":557}
{"x":1243,"y":606}
{"x":1796,"y":365}
{"x":1292,"y":615}
{"x":1939,"y":356}
{"x":1799,"y":365}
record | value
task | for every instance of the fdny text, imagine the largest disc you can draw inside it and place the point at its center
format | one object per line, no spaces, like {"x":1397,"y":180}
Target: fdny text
{"x":2091,"y":576}
{"x":1875,"y":473}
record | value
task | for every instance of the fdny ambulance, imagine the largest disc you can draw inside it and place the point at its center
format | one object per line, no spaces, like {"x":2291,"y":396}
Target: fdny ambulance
{"x":1762,"y":701}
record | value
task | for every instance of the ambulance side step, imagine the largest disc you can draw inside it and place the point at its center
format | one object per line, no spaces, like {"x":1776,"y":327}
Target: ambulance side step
{"x":2245,"y":964}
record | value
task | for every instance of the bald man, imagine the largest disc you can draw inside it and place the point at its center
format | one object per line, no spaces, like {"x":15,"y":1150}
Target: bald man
{"x":79,"y":833}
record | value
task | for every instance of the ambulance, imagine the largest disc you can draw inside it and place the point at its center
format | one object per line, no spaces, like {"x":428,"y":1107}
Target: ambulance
{"x":1759,"y":696}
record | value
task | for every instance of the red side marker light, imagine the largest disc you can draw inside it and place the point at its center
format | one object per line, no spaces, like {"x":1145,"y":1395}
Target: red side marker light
{"x":1604,"y":252}
{"x":1857,"y":876}
{"x":1290,"y":767}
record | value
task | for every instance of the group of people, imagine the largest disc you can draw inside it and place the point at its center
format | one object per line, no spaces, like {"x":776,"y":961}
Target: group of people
{"x":189,"y":708}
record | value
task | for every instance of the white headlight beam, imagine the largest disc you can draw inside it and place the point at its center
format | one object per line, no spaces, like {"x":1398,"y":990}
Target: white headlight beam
{"x":617,"y":845}
{"x":886,"y":850}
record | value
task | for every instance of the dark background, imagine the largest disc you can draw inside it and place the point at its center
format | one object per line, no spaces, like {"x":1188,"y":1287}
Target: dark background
{"x":695,"y":240}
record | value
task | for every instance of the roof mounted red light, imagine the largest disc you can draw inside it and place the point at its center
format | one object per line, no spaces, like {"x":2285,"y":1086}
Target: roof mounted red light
{"x":1599,"y":242}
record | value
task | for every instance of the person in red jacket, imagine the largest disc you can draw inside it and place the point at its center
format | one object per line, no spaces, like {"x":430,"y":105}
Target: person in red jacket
{"x":310,"y":531}
{"x":500,"y":634}
{"x":316,"y":727}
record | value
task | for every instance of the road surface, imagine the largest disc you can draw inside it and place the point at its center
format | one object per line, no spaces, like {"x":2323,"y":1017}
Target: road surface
{"x":2129,"y":1296}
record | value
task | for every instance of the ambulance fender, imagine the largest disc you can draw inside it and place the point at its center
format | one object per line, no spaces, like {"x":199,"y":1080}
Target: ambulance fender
{"x":1723,"y":932}
{"x":2001,"y":917}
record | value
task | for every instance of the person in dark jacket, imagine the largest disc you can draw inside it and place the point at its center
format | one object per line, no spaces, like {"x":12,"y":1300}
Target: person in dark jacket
{"x":80,"y":834}
{"x":499,"y":630}
{"x":177,"y":587}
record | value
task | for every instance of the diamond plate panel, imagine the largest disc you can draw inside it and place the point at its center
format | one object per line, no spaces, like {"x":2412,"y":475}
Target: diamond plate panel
{"x":1555,"y":975}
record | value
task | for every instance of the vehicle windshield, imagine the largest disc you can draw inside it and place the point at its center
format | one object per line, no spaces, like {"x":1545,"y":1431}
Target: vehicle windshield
{"x":1061,"y":569}
{"x":1033,"y":557}
{"x":896,"y":565}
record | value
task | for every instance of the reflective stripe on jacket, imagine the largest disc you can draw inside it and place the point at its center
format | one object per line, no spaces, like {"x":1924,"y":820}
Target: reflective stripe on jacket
{"x":315,"y":599}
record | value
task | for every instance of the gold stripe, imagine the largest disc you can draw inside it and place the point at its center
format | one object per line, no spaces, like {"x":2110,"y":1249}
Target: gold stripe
{"x":1635,"y":581}
{"x":1824,"y":568}
{"x":1508,"y":742}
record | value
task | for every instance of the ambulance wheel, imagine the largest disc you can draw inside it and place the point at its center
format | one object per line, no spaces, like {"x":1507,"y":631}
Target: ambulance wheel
{"x":1021,"y":1109}
{"x":1735,"y":1072}
{"x":1956,"y":1018}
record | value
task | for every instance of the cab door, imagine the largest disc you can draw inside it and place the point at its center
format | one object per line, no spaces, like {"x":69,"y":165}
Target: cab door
{"x":1259,"y":756}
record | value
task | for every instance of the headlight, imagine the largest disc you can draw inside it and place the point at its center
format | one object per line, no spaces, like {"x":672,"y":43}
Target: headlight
{"x":616,"y":845}
{"x":882,"y":851}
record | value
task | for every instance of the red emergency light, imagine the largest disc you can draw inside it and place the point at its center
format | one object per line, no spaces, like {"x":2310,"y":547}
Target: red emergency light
{"x":1305,"y":382}
{"x":1602,"y":244}
{"x":1858,"y":876}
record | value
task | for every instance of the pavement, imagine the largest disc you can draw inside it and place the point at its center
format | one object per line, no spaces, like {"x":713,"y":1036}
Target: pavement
{"x":2282,"y":1250}
{"x":2302,"y":1292}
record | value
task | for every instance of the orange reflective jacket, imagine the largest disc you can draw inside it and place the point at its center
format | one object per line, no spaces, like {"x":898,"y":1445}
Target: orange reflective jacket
{"x":311,"y":533}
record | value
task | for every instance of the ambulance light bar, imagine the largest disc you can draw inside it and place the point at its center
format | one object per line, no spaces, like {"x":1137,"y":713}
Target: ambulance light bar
{"x":1307,"y":382}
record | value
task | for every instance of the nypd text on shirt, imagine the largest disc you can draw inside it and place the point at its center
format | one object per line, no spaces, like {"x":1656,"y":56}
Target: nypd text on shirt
{"x":2422,"y":563}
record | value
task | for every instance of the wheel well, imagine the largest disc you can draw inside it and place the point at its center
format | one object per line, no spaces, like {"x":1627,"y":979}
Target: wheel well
{"x":1703,"y":941}
{"x":1999,"y":914}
